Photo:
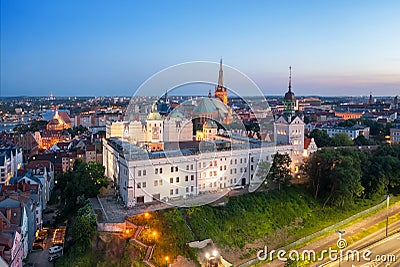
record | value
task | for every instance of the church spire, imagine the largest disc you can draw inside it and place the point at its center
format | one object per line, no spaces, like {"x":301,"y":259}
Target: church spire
{"x":290,"y":78}
{"x":221,"y":75}
{"x":220,"y":91}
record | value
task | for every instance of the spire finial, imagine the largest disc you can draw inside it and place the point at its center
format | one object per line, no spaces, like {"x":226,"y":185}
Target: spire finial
{"x":221,"y":75}
{"x":290,"y":78}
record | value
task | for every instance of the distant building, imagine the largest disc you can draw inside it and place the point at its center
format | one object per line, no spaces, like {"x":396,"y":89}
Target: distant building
{"x":353,"y":132}
{"x":346,"y":115}
{"x":52,"y":137}
{"x":28,"y":144}
{"x":60,"y":121}
{"x":11,"y":160}
{"x":395,"y":135}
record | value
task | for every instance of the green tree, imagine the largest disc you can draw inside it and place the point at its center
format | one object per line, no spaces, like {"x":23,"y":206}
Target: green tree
{"x":84,"y":227}
{"x":362,"y":141}
{"x":335,"y":175}
{"x":321,"y":138}
{"x":85,"y":180}
{"x":280,"y":170}
{"x":341,"y":139}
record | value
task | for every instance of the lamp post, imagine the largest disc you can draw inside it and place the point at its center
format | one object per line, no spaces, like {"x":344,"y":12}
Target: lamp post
{"x":341,"y":243}
{"x":208,"y":259}
{"x":166,"y":261}
{"x":387,"y":213}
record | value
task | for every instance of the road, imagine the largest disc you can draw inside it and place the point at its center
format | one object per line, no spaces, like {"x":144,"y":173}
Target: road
{"x":382,"y":253}
{"x":330,"y":240}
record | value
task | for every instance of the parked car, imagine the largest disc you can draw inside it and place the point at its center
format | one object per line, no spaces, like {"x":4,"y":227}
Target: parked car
{"x":55,"y":249}
{"x":53,"y":257}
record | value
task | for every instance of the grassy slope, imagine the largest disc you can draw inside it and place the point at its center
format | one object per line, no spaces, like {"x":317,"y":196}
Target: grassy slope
{"x":243,"y":220}
{"x":250,"y":217}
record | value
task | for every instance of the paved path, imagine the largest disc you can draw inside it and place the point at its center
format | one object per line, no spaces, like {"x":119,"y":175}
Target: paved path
{"x":114,"y":210}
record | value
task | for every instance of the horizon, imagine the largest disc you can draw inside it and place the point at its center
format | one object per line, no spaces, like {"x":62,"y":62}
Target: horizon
{"x":340,"y":46}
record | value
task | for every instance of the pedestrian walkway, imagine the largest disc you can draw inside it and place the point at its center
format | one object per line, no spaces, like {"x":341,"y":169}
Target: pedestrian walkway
{"x":149,"y":248}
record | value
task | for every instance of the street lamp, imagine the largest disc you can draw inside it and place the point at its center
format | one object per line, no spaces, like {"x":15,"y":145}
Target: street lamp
{"x":341,"y":243}
{"x":387,"y":213}
{"x":208,"y":259}
{"x":166,"y":260}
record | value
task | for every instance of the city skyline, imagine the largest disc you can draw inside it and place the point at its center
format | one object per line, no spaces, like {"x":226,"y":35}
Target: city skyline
{"x":86,"y":49}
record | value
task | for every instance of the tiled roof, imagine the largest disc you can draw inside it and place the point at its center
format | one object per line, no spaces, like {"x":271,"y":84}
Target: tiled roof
{"x":64,"y":116}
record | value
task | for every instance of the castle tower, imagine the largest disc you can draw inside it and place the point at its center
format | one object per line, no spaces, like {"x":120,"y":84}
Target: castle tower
{"x":154,"y":130}
{"x":289,"y":100}
{"x":220,"y":91}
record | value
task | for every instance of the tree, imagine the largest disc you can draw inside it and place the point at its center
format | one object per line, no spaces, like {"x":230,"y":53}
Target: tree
{"x":321,"y":138}
{"x":280,"y":170}
{"x":341,"y":139}
{"x":85,"y":180}
{"x":362,"y":141}
{"x":335,"y":175}
{"x":84,"y":227}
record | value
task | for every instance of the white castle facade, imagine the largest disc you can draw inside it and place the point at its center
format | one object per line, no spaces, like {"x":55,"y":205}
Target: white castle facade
{"x":160,"y":159}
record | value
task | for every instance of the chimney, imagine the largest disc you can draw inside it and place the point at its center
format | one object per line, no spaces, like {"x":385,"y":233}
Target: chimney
{"x":1,"y":223}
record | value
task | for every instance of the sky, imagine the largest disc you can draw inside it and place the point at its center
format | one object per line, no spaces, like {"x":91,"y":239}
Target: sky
{"x":95,"y":47}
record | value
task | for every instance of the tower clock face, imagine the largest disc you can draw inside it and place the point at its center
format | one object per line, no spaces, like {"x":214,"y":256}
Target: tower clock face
{"x":155,"y":133}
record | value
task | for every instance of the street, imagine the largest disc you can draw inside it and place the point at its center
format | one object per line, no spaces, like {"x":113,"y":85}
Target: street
{"x":383,"y":253}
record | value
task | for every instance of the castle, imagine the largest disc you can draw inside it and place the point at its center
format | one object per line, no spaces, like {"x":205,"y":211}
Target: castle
{"x":160,"y":159}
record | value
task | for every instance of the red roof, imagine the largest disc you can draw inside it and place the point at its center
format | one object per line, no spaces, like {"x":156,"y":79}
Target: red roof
{"x":307,"y":142}
{"x":38,"y":164}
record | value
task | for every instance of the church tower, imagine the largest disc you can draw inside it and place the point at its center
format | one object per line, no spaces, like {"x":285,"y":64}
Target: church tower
{"x":289,"y":100}
{"x":220,"y":91}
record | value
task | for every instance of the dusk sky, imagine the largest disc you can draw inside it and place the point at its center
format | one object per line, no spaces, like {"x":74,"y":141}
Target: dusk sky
{"x":92,"y":48}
